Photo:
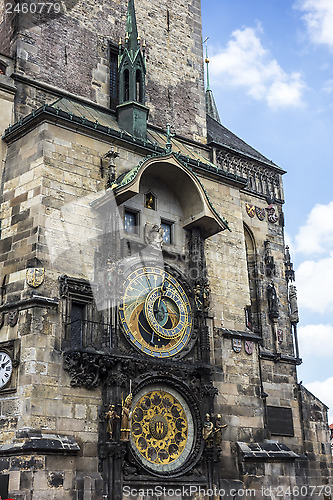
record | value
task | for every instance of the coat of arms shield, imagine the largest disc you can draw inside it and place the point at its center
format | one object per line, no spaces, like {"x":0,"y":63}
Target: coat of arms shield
{"x":249,"y":346}
{"x":35,"y":276}
{"x":237,"y":345}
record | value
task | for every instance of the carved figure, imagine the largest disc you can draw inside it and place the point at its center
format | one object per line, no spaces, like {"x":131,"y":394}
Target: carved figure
{"x":294,"y":317}
{"x":208,"y":431}
{"x":154,"y":236}
{"x":150,"y":201}
{"x":206,"y":296}
{"x":273,"y":301}
{"x":126,"y":418}
{"x":218,"y":430}
{"x":111,"y":417}
{"x":269,"y":259}
{"x":198,"y":296}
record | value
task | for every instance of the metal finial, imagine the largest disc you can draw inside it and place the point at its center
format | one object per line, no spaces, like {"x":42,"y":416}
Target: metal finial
{"x":207,"y":62}
{"x":170,"y":134}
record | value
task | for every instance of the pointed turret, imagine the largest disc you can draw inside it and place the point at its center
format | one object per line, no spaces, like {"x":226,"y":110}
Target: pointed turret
{"x":132,"y":114}
{"x":133,"y":41}
{"x":211,"y":108}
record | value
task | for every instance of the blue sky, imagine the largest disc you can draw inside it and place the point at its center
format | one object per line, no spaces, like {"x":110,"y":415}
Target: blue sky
{"x":271,"y":72}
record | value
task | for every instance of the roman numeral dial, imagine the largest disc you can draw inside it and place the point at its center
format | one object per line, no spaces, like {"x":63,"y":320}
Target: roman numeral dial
{"x":156,"y":313}
{"x":6,"y":369}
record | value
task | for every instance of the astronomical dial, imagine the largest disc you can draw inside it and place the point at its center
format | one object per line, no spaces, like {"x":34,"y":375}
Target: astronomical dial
{"x":162,"y":429}
{"x":156,"y":313}
{"x":6,"y":368}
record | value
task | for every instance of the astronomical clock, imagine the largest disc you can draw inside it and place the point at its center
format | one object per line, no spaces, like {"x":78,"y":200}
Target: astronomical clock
{"x":156,"y":312}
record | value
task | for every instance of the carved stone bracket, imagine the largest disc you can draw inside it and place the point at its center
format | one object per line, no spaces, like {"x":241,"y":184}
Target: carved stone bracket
{"x":74,"y":286}
{"x":87,"y":369}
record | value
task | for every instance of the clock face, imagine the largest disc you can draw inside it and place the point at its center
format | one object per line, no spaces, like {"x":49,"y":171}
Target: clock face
{"x":162,"y":429}
{"x":6,"y":368}
{"x":156,"y":313}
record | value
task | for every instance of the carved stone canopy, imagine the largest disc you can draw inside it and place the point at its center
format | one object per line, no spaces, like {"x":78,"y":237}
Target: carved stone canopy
{"x":197,"y":208}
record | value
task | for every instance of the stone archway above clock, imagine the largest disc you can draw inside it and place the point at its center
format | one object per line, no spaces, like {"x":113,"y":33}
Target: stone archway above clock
{"x":198,"y":210}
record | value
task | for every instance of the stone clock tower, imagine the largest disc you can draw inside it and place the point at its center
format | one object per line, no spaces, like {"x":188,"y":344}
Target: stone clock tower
{"x":148,"y":314}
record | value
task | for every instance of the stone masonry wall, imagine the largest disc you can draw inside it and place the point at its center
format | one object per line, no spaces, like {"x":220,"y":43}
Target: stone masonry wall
{"x":71,"y":52}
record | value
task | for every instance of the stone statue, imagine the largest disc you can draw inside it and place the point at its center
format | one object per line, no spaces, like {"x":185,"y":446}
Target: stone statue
{"x":269,"y":259}
{"x":126,"y":418}
{"x":198,"y":296}
{"x":273,"y":301}
{"x":208,"y":431}
{"x":111,"y":417}
{"x":294,"y":318}
{"x":218,"y":430}
{"x":154,"y":236}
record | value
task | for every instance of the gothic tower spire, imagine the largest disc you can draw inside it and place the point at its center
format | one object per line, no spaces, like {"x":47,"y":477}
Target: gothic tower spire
{"x":132,"y":114}
{"x":211,"y":108}
{"x":133,"y":41}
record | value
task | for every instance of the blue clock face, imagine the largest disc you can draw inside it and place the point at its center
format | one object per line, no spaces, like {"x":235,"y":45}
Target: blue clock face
{"x":156,"y":313}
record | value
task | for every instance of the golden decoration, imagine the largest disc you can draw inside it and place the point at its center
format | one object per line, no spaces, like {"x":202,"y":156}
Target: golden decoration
{"x":35,"y":276}
{"x":159,"y":427}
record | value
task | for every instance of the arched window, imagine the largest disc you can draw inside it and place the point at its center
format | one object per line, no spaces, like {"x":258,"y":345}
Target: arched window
{"x":126,"y":85}
{"x":138,"y":86}
{"x":252,"y":313}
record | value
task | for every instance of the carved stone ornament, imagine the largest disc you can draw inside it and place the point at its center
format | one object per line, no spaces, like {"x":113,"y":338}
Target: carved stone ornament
{"x":154,"y":236}
{"x":74,"y":286}
{"x":237,"y":345}
{"x":280,"y":336}
{"x":12,"y":317}
{"x":87,"y":369}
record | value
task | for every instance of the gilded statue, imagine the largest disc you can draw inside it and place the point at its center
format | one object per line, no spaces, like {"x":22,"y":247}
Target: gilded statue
{"x":126,"y":418}
{"x":208,"y":431}
{"x":111,"y":417}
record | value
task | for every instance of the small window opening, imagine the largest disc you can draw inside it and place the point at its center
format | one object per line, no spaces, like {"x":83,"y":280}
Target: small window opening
{"x":138,"y":92}
{"x":150,"y":201}
{"x":167,"y":232}
{"x":126,"y":85}
{"x":131,"y":222}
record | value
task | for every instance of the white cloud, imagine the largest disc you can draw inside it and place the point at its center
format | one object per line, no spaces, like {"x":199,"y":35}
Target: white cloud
{"x":314,"y":284}
{"x":318,"y":17}
{"x":316,"y":340}
{"x":316,"y":236}
{"x":315,"y":275}
{"x":323,"y":391}
{"x":246,"y":63}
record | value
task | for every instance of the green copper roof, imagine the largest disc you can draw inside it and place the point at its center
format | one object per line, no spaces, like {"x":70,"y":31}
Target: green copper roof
{"x":128,"y":177}
{"x":132,"y":30}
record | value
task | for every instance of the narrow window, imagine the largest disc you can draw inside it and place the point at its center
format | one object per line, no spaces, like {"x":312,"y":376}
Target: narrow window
{"x":138,"y":96}
{"x":131,"y":222}
{"x":2,"y":69}
{"x":77,"y":324}
{"x":114,"y":80}
{"x":167,"y":232}
{"x":126,"y":85}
